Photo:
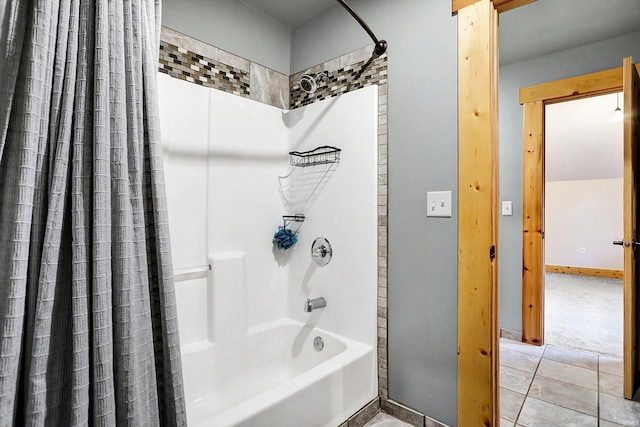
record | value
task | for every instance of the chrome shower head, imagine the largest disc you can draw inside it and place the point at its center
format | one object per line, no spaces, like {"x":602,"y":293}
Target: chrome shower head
{"x":309,"y":82}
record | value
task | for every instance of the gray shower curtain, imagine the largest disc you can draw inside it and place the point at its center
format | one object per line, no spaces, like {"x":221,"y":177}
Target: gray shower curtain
{"x":87,"y":307}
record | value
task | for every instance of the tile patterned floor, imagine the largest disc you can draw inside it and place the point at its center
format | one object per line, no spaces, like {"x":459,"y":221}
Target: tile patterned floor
{"x":554,"y":386}
{"x":385,"y":420}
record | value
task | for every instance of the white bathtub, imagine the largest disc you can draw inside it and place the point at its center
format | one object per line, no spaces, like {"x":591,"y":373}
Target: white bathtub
{"x":274,"y":377}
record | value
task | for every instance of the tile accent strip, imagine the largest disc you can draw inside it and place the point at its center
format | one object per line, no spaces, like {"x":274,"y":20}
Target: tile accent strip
{"x":195,"y":68}
{"x":364,"y":415}
{"x":365,"y":71}
{"x":408,"y":415}
{"x":383,"y":381}
{"x":188,"y":59}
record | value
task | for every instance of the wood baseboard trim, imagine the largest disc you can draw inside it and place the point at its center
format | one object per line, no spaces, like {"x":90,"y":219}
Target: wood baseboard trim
{"x":584,"y":271}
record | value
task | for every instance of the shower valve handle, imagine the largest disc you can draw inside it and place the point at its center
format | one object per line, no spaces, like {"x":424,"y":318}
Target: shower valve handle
{"x":321,"y":250}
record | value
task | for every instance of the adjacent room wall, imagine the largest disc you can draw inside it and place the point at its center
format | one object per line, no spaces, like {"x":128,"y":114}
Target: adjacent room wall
{"x":583,"y":214}
{"x":422,"y":132}
{"x":573,"y":62}
{"x":233,"y":27}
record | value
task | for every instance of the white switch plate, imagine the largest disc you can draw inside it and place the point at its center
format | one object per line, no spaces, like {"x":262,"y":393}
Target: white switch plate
{"x":439,"y":203}
{"x":507,"y":208}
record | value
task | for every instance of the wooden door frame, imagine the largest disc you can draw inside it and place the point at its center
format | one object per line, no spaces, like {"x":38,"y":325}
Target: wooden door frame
{"x":478,"y":358}
{"x":478,"y":365}
{"x":534,"y":98}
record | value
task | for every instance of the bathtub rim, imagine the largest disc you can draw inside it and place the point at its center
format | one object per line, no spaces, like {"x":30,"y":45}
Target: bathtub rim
{"x":198,"y":416}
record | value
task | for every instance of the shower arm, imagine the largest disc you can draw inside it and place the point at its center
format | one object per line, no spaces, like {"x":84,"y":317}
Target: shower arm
{"x":381,"y":45}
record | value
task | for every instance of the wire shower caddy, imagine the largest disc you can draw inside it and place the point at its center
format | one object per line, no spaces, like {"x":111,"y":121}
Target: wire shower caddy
{"x":318,"y":156}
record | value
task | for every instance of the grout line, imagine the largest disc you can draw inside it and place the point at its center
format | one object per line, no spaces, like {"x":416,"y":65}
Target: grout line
{"x":532,"y":379}
{"x":597,"y":416}
{"x":598,"y":390}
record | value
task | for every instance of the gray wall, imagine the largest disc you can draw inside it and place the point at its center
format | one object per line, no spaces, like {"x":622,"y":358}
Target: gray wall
{"x":422,"y":61}
{"x":573,"y":62}
{"x":234,"y":27}
{"x":330,"y":34}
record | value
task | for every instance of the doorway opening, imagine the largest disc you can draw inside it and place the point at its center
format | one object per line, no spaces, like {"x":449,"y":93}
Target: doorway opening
{"x":583,"y":213}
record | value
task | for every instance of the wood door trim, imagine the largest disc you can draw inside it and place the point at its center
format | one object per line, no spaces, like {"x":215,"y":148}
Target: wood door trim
{"x":534,"y":98}
{"x":478,"y":402}
{"x":586,"y":85}
{"x":532,"y":223}
{"x":478,"y":334}
{"x":500,"y":5}
{"x":592,"y":84}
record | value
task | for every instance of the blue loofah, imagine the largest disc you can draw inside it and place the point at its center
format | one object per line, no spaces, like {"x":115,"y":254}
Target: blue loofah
{"x":284,"y":238}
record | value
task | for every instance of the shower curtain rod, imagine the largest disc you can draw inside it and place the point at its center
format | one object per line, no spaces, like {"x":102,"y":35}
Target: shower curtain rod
{"x":381,"y":45}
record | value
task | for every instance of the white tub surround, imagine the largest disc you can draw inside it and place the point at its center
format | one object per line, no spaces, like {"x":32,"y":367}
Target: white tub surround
{"x":246,"y":340}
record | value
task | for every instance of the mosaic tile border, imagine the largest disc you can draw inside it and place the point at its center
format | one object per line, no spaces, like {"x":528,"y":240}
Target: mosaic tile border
{"x":188,"y":59}
{"x":192,"y":60}
{"x":344,"y":74}
{"x":180,"y":63}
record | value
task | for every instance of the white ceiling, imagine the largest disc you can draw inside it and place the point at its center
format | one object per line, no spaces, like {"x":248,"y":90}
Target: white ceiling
{"x":548,"y":26}
{"x":582,"y":141}
{"x":539,"y":28}
{"x":290,"y":12}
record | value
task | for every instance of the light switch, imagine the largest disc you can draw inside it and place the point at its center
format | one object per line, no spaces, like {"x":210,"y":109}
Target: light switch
{"x":507,"y":208}
{"x":439,"y":203}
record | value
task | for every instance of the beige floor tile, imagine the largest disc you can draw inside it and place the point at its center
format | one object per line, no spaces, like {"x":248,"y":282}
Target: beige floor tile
{"x":535,"y":350}
{"x":538,"y":413}
{"x":605,"y":423}
{"x":515,"y":359}
{"x":575,"y":375}
{"x":610,"y":365}
{"x":566,"y":395}
{"x":611,"y":384}
{"x":510,"y":404}
{"x":515,"y":379}
{"x":505,"y":423}
{"x":619,"y":410}
{"x":385,"y":420}
{"x":571,"y":357}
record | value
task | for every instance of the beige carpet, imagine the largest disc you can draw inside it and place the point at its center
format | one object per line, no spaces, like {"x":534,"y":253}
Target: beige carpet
{"x":584,"y":313}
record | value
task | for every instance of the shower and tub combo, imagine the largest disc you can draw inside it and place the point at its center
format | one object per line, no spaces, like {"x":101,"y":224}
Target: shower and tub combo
{"x":277,"y":326}
{"x":273,"y":337}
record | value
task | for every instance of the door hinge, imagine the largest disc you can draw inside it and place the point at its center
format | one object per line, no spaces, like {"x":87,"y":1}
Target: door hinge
{"x":492,"y":252}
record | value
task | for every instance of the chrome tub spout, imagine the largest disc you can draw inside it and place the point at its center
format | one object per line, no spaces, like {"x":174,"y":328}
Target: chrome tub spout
{"x":312,"y":304}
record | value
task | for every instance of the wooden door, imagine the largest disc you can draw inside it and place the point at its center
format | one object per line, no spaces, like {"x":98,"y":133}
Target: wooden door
{"x":631,"y":88}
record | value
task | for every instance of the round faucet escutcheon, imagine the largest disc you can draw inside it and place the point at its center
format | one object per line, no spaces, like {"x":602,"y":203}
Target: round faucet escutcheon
{"x":321,"y":251}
